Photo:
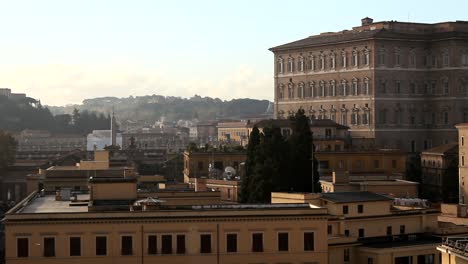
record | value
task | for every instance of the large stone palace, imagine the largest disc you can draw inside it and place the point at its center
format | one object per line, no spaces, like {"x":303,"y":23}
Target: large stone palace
{"x":380,"y":78}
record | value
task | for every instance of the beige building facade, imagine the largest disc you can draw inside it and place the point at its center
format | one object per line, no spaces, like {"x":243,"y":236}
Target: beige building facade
{"x":379,"y":78}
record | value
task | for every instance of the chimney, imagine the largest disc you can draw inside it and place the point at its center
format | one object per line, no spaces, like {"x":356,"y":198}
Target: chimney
{"x":366,"y":21}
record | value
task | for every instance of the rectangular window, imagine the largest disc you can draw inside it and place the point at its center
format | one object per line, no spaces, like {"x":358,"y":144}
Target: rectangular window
{"x":231,"y":243}
{"x":446,"y":88}
{"x":345,"y":209}
{"x":398,"y":87}
{"x":361,"y":232}
{"x":394,"y":164}
{"x":101,"y":246}
{"x":309,"y":241}
{"x":360,"y":208}
{"x":180,"y":244}
{"x":330,"y":229}
{"x":389,"y":231}
{"x":127,"y":245}
{"x":75,"y":246}
{"x":205,"y":243}
{"x":376,"y":164}
{"x":412,"y":88}
{"x":22,"y":247}
{"x":257,"y":242}
{"x":370,"y":261}
{"x":200,"y":165}
{"x":346,"y":257}
{"x":346,"y":232}
{"x":402,"y":229}
{"x":49,"y":247}
{"x":283,"y":242}
{"x":166,"y":244}
{"x":152,"y":245}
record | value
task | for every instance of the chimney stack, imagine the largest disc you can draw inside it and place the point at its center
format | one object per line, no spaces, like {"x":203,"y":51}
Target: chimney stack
{"x":366,"y":21}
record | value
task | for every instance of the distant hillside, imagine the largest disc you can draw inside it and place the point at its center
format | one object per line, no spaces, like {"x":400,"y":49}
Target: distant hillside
{"x":152,"y":108}
{"x":28,"y":113}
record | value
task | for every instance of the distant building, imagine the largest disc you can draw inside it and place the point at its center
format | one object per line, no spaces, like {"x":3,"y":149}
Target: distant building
{"x":395,"y":188}
{"x":439,"y":173}
{"x":40,"y":144}
{"x":206,"y":132}
{"x":117,"y":224}
{"x":365,"y":227}
{"x":212,"y":164}
{"x":235,"y":132}
{"x":168,"y":140}
{"x":363,"y":164}
{"x":396,"y":84}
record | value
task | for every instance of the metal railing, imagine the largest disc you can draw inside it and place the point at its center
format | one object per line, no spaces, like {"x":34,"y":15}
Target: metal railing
{"x":457,"y":243}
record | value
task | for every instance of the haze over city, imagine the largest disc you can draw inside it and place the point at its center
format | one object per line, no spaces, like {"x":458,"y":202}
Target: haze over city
{"x":65,"y":51}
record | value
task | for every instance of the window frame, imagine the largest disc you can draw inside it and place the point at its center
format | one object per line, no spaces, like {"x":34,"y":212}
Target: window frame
{"x":252,"y":242}
{"x":69,"y":245}
{"x":106,"y":247}
{"x":44,"y":246}
{"x":202,"y":250}
{"x":236,"y":244}
{"x":28,"y":253}
{"x":280,"y":245}
{"x":306,"y":248}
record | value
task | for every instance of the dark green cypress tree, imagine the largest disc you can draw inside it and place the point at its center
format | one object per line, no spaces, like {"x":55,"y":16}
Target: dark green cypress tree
{"x":254,"y":141}
{"x":300,"y":143}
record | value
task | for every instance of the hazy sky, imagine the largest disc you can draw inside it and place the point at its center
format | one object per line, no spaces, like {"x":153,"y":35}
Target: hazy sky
{"x":64,"y":51}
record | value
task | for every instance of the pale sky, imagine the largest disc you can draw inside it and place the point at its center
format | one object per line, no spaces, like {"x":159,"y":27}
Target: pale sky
{"x":64,"y":51}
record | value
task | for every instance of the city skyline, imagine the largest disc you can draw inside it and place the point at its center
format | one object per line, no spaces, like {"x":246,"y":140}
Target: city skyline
{"x":63,"y":53}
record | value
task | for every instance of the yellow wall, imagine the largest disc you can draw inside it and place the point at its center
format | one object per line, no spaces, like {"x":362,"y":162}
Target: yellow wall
{"x":363,"y":162}
{"x":113,"y":191}
{"x":191,"y":227}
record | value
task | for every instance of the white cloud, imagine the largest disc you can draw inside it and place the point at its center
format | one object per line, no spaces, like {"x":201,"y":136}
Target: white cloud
{"x":60,"y":84}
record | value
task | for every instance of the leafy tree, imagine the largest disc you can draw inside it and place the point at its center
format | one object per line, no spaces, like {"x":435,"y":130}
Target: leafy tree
{"x":7,"y":150}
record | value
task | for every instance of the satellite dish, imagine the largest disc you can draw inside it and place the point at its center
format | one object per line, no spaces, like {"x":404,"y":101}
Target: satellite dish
{"x":230,"y":172}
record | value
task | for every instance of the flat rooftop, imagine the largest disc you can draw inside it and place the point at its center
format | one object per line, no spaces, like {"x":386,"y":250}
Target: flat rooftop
{"x":351,"y":197}
{"x":48,"y":204}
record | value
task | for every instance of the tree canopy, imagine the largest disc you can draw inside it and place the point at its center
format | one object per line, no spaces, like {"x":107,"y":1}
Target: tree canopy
{"x":7,"y":150}
{"x":276,"y":163}
{"x":27,"y":113}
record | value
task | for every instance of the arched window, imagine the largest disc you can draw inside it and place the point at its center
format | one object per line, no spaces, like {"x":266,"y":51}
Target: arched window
{"x":300,"y":92}
{"x":366,"y":57}
{"x":464,"y":57}
{"x":312,"y":63}
{"x":366,"y":86}
{"x":397,"y":57}
{"x":332,"y":91}
{"x":300,"y":64}
{"x":312,"y":89}
{"x":332,"y":60}
{"x":322,"y":62}
{"x":343,"y":59}
{"x":290,"y":64}
{"x":355,"y":86}
{"x":343,"y":88}
{"x":280,"y":65}
{"x":322,"y":88}
{"x":355,"y":58}
{"x":382,"y":57}
{"x":412,"y":57}
{"x":445,"y":58}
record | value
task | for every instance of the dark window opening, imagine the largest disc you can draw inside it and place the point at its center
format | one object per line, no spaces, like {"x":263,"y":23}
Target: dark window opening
{"x":152,"y":245}
{"x":127,"y":245}
{"x":231,"y":243}
{"x":49,"y":247}
{"x":205,"y":243}
{"x":166,"y":244}
{"x":309,"y":241}
{"x":283,"y":242}
{"x":180,"y":244}
{"x":101,"y":246}
{"x":257,"y":242}
{"x":22,"y":247}
{"x":75,"y":246}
